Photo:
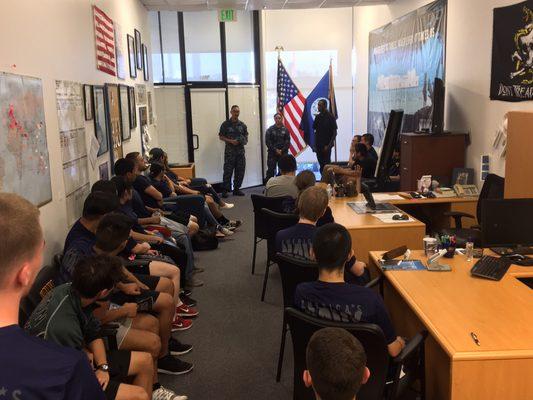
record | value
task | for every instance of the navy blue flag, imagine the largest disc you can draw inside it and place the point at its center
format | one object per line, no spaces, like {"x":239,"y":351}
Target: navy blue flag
{"x":322,"y":91}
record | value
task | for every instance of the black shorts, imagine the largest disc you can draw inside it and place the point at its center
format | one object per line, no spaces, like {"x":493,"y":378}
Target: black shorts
{"x":138,"y":267}
{"x":120,"y":298}
{"x":119,"y":365}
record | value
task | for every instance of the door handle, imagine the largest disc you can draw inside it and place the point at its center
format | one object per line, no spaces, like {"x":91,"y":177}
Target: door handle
{"x":197,"y":145}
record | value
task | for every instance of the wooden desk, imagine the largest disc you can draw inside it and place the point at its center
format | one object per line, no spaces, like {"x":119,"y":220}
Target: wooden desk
{"x":369,"y":233}
{"x":451,"y":305}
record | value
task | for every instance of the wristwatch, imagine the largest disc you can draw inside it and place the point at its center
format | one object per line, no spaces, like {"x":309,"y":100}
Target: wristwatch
{"x":103,"y":367}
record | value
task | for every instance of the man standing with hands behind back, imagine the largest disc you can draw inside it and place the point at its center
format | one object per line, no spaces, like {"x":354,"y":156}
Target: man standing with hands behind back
{"x":325,"y":128}
{"x":235,"y":133}
{"x":278,"y":140}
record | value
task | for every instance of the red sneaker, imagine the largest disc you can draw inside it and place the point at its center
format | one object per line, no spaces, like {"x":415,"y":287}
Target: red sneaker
{"x":180,"y":324}
{"x":186,"y":311}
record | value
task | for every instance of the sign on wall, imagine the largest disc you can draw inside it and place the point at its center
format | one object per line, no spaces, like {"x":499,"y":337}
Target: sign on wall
{"x":405,"y":57}
{"x":104,"y":36}
{"x":512,"y":53}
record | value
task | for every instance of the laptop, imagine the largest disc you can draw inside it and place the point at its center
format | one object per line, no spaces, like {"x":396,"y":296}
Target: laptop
{"x":371,"y":207}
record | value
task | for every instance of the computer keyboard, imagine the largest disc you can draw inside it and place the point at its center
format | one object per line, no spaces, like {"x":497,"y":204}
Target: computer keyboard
{"x":504,"y":251}
{"x":491,"y":267}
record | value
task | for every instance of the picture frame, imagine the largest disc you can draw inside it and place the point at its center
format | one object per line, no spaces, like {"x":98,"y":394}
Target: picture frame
{"x":463,"y":176}
{"x":100,"y":119}
{"x":88,"y":101}
{"x":124,"y":111}
{"x":146,"y":74}
{"x":132,"y":107}
{"x":112,"y":102}
{"x":138,"y":49}
{"x":132,"y":56}
{"x":103,"y":171}
{"x":143,"y":124}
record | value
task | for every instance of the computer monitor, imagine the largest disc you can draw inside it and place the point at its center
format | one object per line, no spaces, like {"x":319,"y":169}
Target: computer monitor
{"x":507,"y":223}
{"x":390,"y":140}
{"x":437,"y":118}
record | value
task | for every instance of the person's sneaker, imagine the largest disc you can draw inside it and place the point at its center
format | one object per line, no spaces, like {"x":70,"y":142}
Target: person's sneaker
{"x":227,"y":206}
{"x":197,"y":270}
{"x":181,"y":324}
{"x":185,"y":292}
{"x":228,"y":226}
{"x":238,"y":192}
{"x":224,"y":194}
{"x":225,"y":231}
{"x":235,"y":223}
{"x":186,"y":311}
{"x":188,"y":300}
{"x":173,"y":366}
{"x":194,"y":282}
{"x":176,"y":348}
{"x":166,"y":394}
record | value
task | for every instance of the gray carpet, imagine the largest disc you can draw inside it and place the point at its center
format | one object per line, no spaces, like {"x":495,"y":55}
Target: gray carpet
{"x":236,"y":337}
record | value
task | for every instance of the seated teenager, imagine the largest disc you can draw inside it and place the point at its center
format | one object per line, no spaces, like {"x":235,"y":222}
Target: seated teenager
{"x":368,"y":140}
{"x":332,"y":298}
{"x":283,"y":185}
{"x":336,"y":364}
{"x":363,"y":166}
{"x":355,"y":140}
{"x":297,"y":240}
{"x":62,"y":373}
{"x":65,"y":317}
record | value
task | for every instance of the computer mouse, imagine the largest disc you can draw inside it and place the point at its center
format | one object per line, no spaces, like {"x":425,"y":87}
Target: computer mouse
{"x":400,"y":217}
{"x":431,"y":195}
{"x":415,"y":195}
{"x":515,"y":257}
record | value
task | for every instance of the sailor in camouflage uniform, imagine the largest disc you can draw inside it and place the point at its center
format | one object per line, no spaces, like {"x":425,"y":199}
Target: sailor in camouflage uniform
{"x":235,"y":134}
{"x":278,"y":140}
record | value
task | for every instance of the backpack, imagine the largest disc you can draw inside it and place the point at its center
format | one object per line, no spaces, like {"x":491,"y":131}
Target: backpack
{"x":205,"y":239}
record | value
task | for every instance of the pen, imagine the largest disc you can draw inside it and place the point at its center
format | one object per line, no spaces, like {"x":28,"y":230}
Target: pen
{"x":474,"y":338}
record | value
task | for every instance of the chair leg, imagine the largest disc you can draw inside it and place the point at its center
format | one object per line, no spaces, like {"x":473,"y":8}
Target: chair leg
{"x":281,"y":350}
{"x":253,"y":257}
{"x":265,"y":281}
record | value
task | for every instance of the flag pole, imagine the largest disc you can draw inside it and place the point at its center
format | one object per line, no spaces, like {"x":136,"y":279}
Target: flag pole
{"x":279,"y":49}
{"x":332,"y":98}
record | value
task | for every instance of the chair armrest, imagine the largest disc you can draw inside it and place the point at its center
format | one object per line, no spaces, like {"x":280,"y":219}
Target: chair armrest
{"x":374,"y":282}
{"x":412,"y":346}
{"x":457,"y":215}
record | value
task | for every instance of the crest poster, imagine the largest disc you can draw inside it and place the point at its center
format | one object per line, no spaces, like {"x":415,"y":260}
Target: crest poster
{"x":512,"y":53}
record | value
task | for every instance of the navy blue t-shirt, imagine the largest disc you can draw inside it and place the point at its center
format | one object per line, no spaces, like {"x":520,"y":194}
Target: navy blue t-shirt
{"x":37,"y":369}
{"x":344,"y":302}
{"x":138,"y":206}
{"x":78,"y":244}
{"x":161,"y":186}
{"x":140,"y":185}
{"x":296,"y":241}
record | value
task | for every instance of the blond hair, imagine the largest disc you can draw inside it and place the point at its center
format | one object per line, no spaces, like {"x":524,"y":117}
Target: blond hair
{"x":312,"y":203}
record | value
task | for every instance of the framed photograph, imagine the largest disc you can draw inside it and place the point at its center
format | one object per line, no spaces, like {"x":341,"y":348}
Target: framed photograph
{"x":150,"y":109}
{"x":131,"y":56}
{"x":138,"y":50}
{"x":133,"y":107}
{"x":88,"y":101}
{"x":124,"y":112}
{"x":143,"y":124}
{"x":146,"y":74}
{"x":114,"y":123}
{"x":100,"y":121}
{"x":104,"y":171}
{"x":462,"y":176}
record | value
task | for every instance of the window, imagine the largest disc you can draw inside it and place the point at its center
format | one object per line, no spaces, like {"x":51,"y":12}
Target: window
{"x":240,"y":49}
{"x":157,"y":67}
{"x":171,"y":46}
{"x":202,"y":46}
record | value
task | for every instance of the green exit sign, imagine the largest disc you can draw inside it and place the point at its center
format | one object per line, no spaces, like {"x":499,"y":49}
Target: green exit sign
{"x":227,"y":16}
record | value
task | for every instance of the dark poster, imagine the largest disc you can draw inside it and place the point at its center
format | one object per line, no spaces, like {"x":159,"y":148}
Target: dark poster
{"x":405,"y":57}
{"x":512,"y":53}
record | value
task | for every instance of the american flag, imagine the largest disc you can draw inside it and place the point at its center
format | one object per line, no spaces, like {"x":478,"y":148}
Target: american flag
{"x":105,"y":41}
{"x":291,"y":105}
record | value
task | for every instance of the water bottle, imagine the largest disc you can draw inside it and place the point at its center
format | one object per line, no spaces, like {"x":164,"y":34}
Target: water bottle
{"x":469,"y":251}
{"x":329,"y":189}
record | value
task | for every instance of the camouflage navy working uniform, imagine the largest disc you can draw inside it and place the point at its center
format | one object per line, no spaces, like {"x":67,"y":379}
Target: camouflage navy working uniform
{"x":276,"y":139}
{"x":234,"y":157}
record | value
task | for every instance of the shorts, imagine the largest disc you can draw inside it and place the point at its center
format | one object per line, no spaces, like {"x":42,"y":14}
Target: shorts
{"x":120,"y":298}
{"x":119,"y":365}
{"x":138,"y":267}
{"x":124,"y":326}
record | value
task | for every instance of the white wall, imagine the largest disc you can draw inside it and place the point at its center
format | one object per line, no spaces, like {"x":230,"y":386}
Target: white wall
{"x":54,"y":39}
{"x":468,"y":66}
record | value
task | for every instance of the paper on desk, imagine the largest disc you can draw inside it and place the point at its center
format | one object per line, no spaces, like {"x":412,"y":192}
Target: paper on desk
{"x":387,"y":218}
{"x":93,"y":151}
{"x":386,"y":197}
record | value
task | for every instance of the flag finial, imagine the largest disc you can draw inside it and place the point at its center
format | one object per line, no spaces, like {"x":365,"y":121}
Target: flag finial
{"x":279,"y":49}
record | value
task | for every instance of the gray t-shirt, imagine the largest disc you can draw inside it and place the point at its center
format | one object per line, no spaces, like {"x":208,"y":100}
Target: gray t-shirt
{"x":280,"y":186}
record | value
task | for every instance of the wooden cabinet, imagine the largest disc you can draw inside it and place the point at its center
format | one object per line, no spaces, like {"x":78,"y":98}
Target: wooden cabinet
{"x":518,"y":159}
{"x":436,"y":155}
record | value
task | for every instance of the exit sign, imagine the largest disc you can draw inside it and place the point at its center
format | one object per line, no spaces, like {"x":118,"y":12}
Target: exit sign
{"x":227,"y":16}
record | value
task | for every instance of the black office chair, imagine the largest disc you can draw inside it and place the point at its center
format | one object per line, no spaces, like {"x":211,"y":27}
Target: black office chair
{"x":302,"y":327}
{"x":276,"y":222}
{"x":260,"y":224}
{"x":493,"y":188}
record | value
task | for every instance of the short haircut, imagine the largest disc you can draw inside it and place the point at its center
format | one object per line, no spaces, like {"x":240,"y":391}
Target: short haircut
{"x":156,"y":154}
{"x":336,"y":361}
{"x":358,"y":137}
{"x":104,"y":186}
{"x":287,"y":163}
{"x":304,"y":180}
{"x":122,"y":185}
{"x":369,"y":138}
{"x":112,"y":231}
{"x":312,"y":203}
{"x":234,"y":107}
{"x":98,"y":204}
{"x":132,"y":156}
{"x":123,"y":166}
{"x":332,"y":245}
{"x":21,"y":232}
{"x":324,"y":102}
{"x":276,"y":114}
{"x":96,"y":273}
{"x":156,"y":168}
{"x":361,"y":148}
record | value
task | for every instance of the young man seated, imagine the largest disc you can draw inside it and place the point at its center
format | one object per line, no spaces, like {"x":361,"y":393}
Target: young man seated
{"x":368,"y":140}
{"x":283,"y":185}
{"x":336,"y":365}
{"x":30,"y":367}
{"x":297,"y":240}
{"x":332,"y":298}
{"x":65,"y":317}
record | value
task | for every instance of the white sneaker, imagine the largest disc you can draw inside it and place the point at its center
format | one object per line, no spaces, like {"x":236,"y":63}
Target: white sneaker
{"x":225,"y":231}
{"x":227,"y":206}
{"x":166,"y":394}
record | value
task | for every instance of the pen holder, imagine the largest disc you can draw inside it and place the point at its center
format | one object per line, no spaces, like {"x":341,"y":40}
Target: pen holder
{"x":450,"y":252}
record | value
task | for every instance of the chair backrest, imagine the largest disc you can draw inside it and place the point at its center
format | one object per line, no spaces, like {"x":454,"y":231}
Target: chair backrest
{"x":275,"y":222}
{"x":270,"y":203}
{"x":302,"y":327}
{"x":293,"y":272}
{"x":493,"y":188}
{"x":44,"y":283}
